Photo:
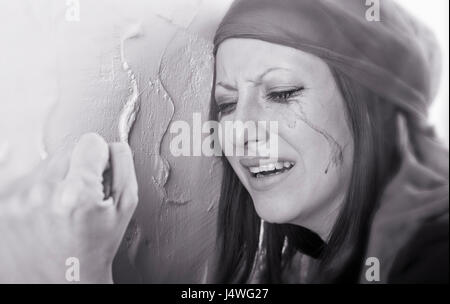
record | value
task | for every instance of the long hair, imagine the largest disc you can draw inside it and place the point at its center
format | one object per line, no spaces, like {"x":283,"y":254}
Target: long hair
{"x":372,"y":122}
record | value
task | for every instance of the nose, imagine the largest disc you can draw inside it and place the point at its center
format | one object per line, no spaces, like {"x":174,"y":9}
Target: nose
{"x":250,"y":126}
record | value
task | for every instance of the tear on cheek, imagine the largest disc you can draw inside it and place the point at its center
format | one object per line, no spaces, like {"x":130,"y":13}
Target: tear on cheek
{"x":290,"y":119}
{"x":292,"y":123}
{"x":336,"y":156}
{"x":287,"y":115}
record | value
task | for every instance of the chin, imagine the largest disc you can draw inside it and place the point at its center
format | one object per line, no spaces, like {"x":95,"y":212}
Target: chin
{"x":280,"y":215}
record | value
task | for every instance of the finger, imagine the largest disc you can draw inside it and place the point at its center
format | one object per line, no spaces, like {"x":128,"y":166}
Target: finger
{"x":124,"y":183}
{"x":89,"y":159}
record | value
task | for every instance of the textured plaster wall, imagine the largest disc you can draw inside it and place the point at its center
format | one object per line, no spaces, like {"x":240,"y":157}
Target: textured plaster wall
{"x":60,"y":79}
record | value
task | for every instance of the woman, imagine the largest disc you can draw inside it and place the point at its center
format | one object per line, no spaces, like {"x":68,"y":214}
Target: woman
{"x":358,"y":174}
{"x":358,"y":177}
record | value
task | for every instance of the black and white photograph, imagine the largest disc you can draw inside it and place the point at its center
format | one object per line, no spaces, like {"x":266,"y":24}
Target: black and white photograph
{"x":207,"y":143}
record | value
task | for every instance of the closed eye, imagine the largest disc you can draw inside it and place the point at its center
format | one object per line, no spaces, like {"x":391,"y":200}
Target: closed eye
{"x":282,"y":96}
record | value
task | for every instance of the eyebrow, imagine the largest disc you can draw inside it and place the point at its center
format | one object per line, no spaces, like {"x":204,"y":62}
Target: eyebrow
{"x":255,"y":82}
{"x":226,"y":86}
{"x":263,"y":74}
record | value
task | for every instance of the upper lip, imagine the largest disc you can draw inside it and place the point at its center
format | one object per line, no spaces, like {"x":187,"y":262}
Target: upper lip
{"x":249,"y":162}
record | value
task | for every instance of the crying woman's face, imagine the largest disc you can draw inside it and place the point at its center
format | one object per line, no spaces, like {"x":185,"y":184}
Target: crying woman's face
{"x":307,"y":181}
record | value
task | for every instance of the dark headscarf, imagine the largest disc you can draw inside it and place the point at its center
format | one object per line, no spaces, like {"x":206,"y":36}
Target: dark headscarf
{"x":395,"y":57}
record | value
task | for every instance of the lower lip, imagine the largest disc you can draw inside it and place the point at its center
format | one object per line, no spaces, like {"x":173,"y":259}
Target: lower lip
{"x":267,"y":182}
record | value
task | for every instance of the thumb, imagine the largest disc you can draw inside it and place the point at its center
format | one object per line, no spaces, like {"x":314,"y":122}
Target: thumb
{"x":89,"y":158}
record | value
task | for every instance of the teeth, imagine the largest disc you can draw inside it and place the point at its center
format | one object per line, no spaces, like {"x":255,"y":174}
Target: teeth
{"x":271,"y":167}
{"x":254,"y":169}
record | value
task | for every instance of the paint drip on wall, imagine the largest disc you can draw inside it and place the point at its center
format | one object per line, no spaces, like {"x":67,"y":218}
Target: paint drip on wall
{"x":160,"y":163}
{"x":188,"y":78}
{"x":179,"y":195}
{"x":131,"y":107}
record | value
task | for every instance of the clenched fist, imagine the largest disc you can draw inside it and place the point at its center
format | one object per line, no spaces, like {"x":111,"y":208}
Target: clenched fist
{"x":61,"y":211}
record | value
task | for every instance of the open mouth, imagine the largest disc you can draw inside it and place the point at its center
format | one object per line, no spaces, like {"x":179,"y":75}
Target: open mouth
{"x":270,"y":169}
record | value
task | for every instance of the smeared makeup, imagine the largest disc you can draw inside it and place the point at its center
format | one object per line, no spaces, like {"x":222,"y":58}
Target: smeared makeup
{"x":336,"y":157}
{"x":336,"y":151}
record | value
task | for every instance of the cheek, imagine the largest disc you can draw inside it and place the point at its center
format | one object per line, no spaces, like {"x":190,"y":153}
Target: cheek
{"x":225,"y":137}
{"x":311,"y":132}
{"x":323,"y":129}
